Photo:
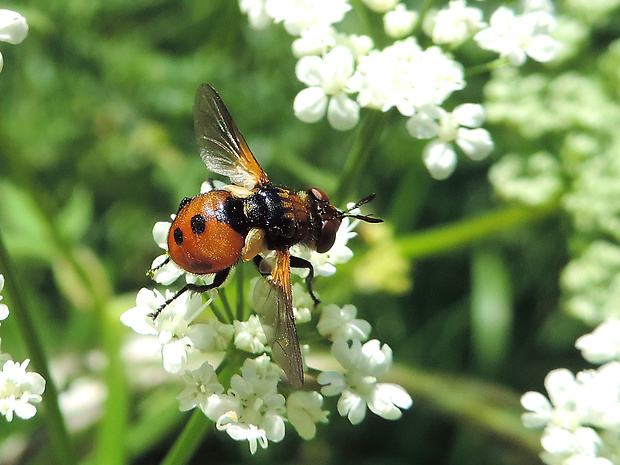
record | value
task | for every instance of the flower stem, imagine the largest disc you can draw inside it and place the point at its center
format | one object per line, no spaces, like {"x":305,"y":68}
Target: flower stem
{"x":218,"y":313}
{"x":369,"y":135}
{"x":453,"y":236}
{"x":222,"y":294}
{"x":61,"y":442}
{"x":240,"y":293}
{"x":480,"y":404}
{"x":188,"y":441}
{"x":484,"y":67}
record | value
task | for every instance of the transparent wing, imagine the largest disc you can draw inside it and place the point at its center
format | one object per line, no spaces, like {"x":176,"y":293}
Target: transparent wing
{"x":278,"y":320}
{"x":221,"y":145}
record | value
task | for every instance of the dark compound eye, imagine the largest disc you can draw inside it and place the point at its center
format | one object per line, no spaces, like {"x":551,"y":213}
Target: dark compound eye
{"x":198,"y":224}
{"x":178,"y":236}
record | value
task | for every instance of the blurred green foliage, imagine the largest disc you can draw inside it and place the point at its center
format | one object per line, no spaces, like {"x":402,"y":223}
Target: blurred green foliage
{"x":97,"y":144}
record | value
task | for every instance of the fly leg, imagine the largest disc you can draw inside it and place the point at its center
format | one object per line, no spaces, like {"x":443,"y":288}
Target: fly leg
{"x":218,"y":280}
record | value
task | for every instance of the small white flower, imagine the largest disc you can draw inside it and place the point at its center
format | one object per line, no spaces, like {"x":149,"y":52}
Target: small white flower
{"x":314,"y":40}
{"x":254,"y":407}
{"x":600,"y":396}
{"x":358,"y":386}
{"x":381,"y":6}
{"x":518,"y":36}
{"x":19,"y":390}
{"x":216,"y":336}
{"x":340,"y":323}
{"x":177,"y":336}
{"x":567,"y":445}
{"x":602,"y":344}
{"x":4,"y":309}
{"x":249,"y":335}
{"x":461,"y":126}
{"x":298,"y":15}
{"x":303,"y":410}
{"x":533,"y":180}
{"x":257,"y":13}
{"x":399,"y":22}
{"x":328,"y":78}
{"x":454,"y":24}
{"x":564,"y":408}
{"x":406,"y":77}
{"x":200,"y":386}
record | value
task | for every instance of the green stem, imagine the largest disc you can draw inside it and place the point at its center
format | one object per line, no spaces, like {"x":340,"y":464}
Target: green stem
{"x":221,"y":292}
{"x":61,"y":442}
{"x":218,"y":313}
{"x":189,"y":439}
{"x":443,"y":239}
{"x":485,"y":67}
{"x":473,"y":402}
{"x":370,"y":132}
{"x":240,"y":292}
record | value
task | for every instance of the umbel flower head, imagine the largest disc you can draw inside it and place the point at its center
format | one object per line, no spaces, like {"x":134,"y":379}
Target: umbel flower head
{"x":580,"y":409}
{"x":346,"y":72}
{"x":20,"y":390}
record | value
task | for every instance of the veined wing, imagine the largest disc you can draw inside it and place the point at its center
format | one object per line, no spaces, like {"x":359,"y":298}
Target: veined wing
{"x":221,"y":145}
{"x":278,"y":321}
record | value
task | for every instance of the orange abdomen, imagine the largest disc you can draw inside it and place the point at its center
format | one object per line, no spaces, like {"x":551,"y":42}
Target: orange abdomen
{"x":201,"y":239}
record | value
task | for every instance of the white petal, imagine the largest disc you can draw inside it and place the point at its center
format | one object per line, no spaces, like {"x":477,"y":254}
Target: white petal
{"x":160,"y":233}
{"x":342,"y":112}
{"x":422,"y":127}
{"x":535,"y":402}
{"x":340,"y":63}
{"x":136,"y":319}
{"x":273,"y":424}
{"x":469,"y":114}
{"x":476,"y":143}
{"x":4,"y":312}
{"x":440,"y":159}
{"x":516,"y":56}
{"x":352,"y":406}
{"x":13,"y":27}
{"x":310,"y":104}
{"x":175,"y":356}
{"x":309,"y":70}
{"x":544,"y":49}
{"x":557,"y":440}
{"x":386,"y":398}
{"x":561,"y":386}
{"x":25,"y":410}
{"x":333,"y":383}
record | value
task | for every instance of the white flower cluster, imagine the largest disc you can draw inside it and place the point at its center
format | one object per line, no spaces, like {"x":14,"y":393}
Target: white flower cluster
{"x":13,"y":29}
{"x":19,"y":389}
{"x":346,"y":72}
{"x":591,"y":283}
{"x":251,"y":408}
{"x":581,"y":417}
